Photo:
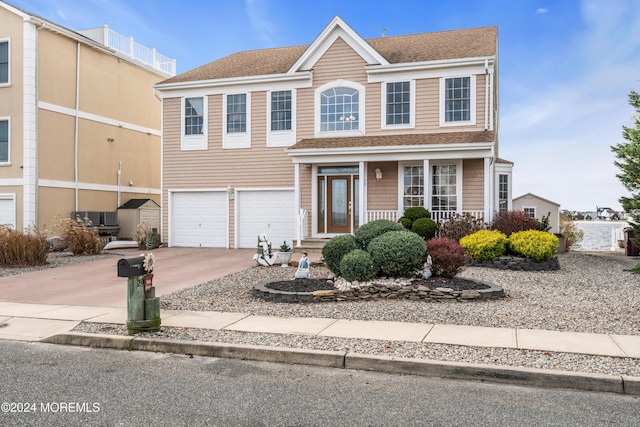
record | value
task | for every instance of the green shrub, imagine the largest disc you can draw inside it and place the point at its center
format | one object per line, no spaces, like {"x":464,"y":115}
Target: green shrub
{"x":18,"y":249}
{"x":358,"y":265}
{"x":534,"y":244}
{"x":335,"y":249}
{"x":484,"y":244}
{"x":508,"y":222}
{"x":416,"y":212}
{"x":397,"y":253}
{"x":447,"y":256}
{"x":458,"y":226}
{"x":405,"y":222}
{"x":425,"y":228}
{"x":81,"y":238}
{"x":369,"y":231}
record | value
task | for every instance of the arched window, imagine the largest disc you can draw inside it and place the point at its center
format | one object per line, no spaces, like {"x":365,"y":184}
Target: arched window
{"x":339,"y":109}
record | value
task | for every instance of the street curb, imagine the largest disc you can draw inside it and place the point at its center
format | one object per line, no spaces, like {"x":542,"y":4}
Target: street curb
{"x":530,"y":377}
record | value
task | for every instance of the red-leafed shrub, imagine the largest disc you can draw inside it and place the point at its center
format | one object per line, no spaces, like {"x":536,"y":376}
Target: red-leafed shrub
{"x":447,"y":256}
{"x":508,"y":222}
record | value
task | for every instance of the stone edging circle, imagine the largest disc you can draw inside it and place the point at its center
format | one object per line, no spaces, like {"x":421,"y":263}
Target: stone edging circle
{"x":375,"y":291}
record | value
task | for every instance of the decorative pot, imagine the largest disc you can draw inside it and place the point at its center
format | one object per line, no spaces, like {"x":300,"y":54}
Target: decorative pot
{"x":284,"y":258}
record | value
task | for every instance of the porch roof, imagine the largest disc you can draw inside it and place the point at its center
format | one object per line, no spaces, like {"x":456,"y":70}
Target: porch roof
{"x":394,"y":140}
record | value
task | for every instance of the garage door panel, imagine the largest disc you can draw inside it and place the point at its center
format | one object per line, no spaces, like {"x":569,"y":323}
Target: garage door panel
{"x":199,"y":219}
{"x":269,"y":212}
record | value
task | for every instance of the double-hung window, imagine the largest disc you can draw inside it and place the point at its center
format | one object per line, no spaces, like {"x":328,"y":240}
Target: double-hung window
{"x":444,"y":187}
{"x":4,"y":140}
{"x":399,"y":104}
{"x":237,"y":120}
{"x":194,"y":123}
{"x":281,"y":110}
{"x":503,"y":192}
{"x":458,"y":101}
{"x":4,"y":62}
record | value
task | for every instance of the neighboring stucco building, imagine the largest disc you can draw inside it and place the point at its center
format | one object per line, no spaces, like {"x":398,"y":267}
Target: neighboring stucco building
{"x":79,"y":120}
{"x":314,"y":140}
{"x":538,"y":207}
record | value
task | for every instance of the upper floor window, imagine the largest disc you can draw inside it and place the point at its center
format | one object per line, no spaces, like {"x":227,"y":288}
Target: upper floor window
{"x":4,"y":141}
{"x":194,"y":123}
{"x":193,"y":116}
{"x":339,"y":109}
{"x":237,"y":113}
{"x":4,"y":62}
{"x":281,"y":108}
{"x":458,"y":101}
{"x":398,"y":103}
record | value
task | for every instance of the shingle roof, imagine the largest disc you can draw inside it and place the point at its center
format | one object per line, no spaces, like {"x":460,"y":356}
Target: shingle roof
{"x":467,"y":43}
{"x":136,"y":203}
{"x":394,"y":140}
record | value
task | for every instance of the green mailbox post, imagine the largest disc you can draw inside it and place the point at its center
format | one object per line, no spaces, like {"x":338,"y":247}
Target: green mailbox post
{"x":143,"y":307}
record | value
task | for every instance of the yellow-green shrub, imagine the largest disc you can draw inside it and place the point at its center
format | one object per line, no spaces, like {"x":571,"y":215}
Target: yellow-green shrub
{"x":484,"y":244}
{"x":533,"y":244}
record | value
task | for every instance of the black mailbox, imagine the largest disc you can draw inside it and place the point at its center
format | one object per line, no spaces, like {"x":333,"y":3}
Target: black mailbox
{"x":129,"y":267}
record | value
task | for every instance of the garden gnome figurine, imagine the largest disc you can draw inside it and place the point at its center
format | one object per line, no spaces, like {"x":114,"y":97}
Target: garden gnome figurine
{"x":427,"y":268}
{"x":303,"y":267}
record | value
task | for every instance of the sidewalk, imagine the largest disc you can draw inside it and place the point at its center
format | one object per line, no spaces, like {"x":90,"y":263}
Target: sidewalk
{"x":34,"y":322}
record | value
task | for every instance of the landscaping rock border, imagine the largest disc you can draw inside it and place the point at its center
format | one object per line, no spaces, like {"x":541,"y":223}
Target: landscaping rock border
{"x":517,"y":263}
{"x":375,"y":291}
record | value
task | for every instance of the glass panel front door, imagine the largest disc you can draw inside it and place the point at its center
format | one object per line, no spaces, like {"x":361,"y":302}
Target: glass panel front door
{"x":339,"y":204}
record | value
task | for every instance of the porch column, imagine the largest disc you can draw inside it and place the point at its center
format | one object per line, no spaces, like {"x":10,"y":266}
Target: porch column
{"x":488,"y":189}
{"x":362,"y":192}
{"x":426,"y":171}
{"x":297,"y":203}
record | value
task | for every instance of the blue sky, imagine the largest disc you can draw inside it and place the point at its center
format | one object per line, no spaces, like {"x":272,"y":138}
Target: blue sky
{"x":566,"y":66}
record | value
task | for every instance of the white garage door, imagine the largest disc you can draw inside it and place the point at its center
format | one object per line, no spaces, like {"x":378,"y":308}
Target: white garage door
{"x":269,"y":212}
{"x":199,"y":219}
{"x":8,"y":210}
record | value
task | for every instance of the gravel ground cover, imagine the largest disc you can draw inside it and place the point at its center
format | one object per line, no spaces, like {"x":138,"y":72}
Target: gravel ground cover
{"x":588,"y":294}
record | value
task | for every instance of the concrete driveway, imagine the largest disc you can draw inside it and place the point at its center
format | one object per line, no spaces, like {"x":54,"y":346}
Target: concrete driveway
{"x":96,"y":283}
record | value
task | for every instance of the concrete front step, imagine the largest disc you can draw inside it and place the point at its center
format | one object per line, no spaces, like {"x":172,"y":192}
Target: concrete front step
{"x":312,"y":244}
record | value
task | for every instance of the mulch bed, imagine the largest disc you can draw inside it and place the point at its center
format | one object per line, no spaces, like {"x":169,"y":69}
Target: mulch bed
{"x":311,"y":285}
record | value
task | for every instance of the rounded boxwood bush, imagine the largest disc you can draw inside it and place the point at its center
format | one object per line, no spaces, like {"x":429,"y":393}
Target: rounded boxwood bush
{"x":358,"y":265}
{"x":335,"y":249}
{"x":405,"y":222}
{"x":425,"y":228}
{"x":534,"y":244}
{"x":416,"y":212}
{"x":398,"y":253}
{"x":484,"y":244}
{"x":369,"y":231}
{"x":447,"y":256}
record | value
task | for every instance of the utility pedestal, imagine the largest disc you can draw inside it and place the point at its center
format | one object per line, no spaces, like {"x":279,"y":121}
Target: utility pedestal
{"x":143,"y":307}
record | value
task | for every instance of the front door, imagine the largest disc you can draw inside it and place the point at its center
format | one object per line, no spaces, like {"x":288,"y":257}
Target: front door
{"x":337,"y":204}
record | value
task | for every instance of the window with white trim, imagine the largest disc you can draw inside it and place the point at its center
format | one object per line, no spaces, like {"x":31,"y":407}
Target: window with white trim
{"x":340,"y":109}
{"x":444,"y":187}
{"x":281,"y":110}
{"x":413,"y":186}
{"x":531,"y":211}
{"x":237,"y":120}
{"x":398,"y":103}
{"x":4,"y":62}
{"x":458,"y":101}
{"x":194,"y":123}
{"x":503,"y":192}
{"x":4,"y":141}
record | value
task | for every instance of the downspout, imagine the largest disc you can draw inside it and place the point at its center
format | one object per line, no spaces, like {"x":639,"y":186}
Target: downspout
{"x":486,"y":94}
{"x":119,"y":180}
{"x":75,"y":132}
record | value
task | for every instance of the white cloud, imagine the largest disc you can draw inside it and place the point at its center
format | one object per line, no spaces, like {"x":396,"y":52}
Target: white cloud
{"x":261,"y":20}
{"x":559,"y":133}
{"x":542,"y":10}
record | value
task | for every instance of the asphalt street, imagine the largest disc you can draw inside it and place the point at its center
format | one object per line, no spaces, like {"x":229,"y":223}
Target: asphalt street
{"x":44,"y":384}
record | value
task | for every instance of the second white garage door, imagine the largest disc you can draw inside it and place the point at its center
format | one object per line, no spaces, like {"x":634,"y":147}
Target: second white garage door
{"x":270,"y":212}
{"x":199,"y":219}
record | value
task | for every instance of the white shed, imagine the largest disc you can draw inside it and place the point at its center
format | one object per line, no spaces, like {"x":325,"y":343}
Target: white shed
{"x":136,"y":212}
{"x":539,"y":207}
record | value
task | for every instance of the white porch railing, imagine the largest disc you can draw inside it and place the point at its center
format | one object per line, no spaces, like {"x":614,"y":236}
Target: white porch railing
{"x":129,"y":47}
{"x":302,"y":226}
{"x":440,"y":216}
{"x":375,"y":215}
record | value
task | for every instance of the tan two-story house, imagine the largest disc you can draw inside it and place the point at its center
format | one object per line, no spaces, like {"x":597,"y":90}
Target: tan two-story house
{"x":79,"y":120}
{"x":315,"y":140}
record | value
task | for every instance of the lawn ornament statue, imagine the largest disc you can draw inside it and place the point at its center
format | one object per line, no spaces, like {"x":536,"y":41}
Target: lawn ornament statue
{"x":426,"y":273}
{"x":303,"y":267}
{"x":263,"y":254}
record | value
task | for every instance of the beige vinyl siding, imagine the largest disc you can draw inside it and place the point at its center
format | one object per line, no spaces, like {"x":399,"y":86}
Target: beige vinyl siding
{"x":382,"y":194}
{"x":473,"y":184}
{"x":428,"y":105}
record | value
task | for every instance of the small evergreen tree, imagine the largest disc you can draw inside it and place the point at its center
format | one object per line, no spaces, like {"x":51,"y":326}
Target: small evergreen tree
{"x":628,"y":155}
